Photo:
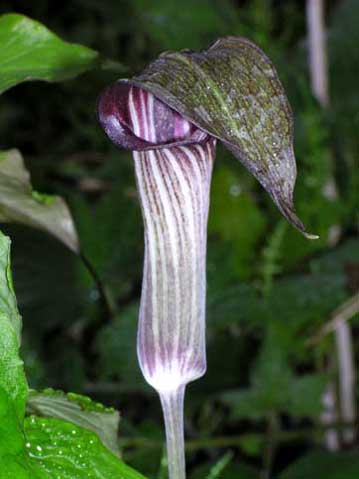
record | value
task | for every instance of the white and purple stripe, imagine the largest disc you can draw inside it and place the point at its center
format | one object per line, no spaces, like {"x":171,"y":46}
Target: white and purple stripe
{"x":173,"y":185}
{"x":173,"y":164}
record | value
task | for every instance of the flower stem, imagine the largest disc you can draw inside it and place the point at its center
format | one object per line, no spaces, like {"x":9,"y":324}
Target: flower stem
{"x":172,"y":406}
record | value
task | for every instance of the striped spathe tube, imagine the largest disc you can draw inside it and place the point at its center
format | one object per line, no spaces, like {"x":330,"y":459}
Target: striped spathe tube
{"x":173,"y":165}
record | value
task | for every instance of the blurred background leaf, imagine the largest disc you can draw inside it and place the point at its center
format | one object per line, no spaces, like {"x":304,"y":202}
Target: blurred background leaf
{"x":324,"y":465}
{"x":19,"y":203}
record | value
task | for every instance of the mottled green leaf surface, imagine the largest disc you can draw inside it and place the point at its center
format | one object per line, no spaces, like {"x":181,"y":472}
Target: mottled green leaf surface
{"x":80,"y":410}
{"x":233,"y":92}
{"x":13,"y":458}
{"x":60,"y":449}
{"x":45,"y":448}
{"x":12,"y":377}
{"x":13,"y":386}
{"x":29,"y":51}
{"x":19,"y":203}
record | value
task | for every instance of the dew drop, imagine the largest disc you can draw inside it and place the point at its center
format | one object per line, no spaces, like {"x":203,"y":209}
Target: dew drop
{"x":39,"y":448}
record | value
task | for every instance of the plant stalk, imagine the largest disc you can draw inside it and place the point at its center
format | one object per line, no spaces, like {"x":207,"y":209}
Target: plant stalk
{"x":172,"y":406}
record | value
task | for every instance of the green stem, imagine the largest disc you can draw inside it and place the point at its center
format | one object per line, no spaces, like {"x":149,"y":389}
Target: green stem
{"x":106,"y":298}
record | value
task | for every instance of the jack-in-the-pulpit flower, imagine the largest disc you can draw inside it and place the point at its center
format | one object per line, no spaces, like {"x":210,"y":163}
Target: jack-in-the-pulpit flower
{"x":171,"y":117}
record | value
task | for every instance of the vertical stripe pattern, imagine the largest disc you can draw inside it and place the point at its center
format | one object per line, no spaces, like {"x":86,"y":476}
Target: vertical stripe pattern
{"x":173,"y":185}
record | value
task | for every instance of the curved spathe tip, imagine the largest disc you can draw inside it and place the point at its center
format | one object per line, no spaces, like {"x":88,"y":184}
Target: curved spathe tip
{"x":230,"y":91}
{"x":288,"y":211}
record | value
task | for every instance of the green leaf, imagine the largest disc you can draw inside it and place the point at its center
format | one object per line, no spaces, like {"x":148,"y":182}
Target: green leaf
{"x":218,"y":468}
{"x":60,"y":449}
{"x":80,"y":410}
{"x":232,"y":91}
{"x":29,"y":51}
{"x":12,"y":376}
{"x":21,"y":204}
{"x":324,"y":465}
{"x":10,"y":431}
{"x":13,"y":386}
{"x":71,"y":451}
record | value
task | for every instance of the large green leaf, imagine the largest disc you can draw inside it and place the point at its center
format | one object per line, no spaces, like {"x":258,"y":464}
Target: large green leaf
{"x":50,"y":448}
{"x":324,"y":465}
{"x":21,"y":204}
{"x":12,"y":376}
{"x":60,"y":449}
{"x":71,"y":451}
{"x":29,"y":51}
{"x":79,"y":410}
{"x":13,"y":386}
{"x":13,"y":458}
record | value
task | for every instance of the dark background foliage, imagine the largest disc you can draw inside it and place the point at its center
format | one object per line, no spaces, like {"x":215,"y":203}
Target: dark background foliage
{"x":269,"y":290}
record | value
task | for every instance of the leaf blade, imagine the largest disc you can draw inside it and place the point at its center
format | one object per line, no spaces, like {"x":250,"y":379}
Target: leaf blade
{"x":58,"y":448}
{"x":80,"y":410}
{"x":29,"y":51}
{"x":12,"y":376}
{"x":21,"y":204}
